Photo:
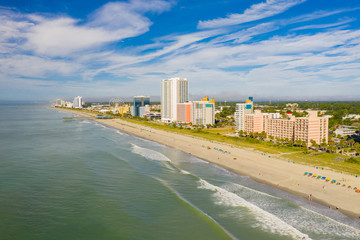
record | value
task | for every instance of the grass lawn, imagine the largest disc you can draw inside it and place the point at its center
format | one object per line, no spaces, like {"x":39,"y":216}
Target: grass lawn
{"x":213,"y":135}
{"x":222,"y":130}
{"x":325,"y":160}
{"x":295,"y":154}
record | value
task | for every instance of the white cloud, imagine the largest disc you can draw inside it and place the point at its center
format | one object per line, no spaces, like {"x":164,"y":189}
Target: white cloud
{"x":36,"y":67}
{"x":222,"y":59}
{"x":317,"y":15}
{"x":329,"y":25}
{"x":255,"y":12}
{"x":63,"y":36}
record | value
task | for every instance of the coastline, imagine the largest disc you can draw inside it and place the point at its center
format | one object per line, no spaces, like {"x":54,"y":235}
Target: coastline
{"x":265,"y":168}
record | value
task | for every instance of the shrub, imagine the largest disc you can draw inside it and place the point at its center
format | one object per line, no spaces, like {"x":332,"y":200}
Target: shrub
{"x":352,"y":160}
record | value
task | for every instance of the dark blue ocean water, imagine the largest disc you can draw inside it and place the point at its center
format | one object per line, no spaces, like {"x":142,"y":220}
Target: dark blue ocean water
{"x":82,"y":180}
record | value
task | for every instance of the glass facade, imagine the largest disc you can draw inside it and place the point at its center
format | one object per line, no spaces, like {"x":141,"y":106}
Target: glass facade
{"x":140,"y":101}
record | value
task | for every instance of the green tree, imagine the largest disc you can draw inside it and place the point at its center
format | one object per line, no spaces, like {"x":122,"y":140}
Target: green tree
{"x":241,"y":133}
{"x":351,"y":142}
{"x":314,"y":144}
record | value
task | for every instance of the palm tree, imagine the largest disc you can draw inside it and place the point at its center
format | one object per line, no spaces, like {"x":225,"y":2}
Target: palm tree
{"x":297,"y":142}
{"x":351,"y":142}
{"x":357,"y":147}
{"x":241,"y":133}
{"x":263,"y":135}
{"x":332,"y":147}
{"x":314,"y":144}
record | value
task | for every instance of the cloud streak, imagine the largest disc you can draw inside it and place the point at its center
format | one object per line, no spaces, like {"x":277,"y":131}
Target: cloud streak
{"x":266,"y":57}
{"x":255,"y":12}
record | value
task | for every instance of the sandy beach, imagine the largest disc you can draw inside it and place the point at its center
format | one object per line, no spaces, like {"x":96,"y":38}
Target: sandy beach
{"x":265,"y":168}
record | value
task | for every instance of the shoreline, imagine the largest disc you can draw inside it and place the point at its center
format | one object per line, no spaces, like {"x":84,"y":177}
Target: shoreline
{"x":264,"y":168}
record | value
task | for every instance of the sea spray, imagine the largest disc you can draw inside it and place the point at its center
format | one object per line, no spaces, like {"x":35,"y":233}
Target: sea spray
{"x":152,"y":155}
{"x":241,"y":187}
{"x":304,"y":219}
{"x":195,"y":208}
{"x":120,"y":133}
{"x":269,"y":221}
{"x":149,"y":154}
{"x":328,"y":226}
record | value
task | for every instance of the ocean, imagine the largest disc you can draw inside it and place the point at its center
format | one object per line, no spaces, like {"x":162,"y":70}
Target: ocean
{"x":83,"y":180}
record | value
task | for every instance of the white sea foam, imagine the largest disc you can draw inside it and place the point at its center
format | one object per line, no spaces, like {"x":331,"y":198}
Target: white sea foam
{"x":185,"y":172}
{"x":304,"y":219}
{"x":149,"y":154}
{"x":87,"y":122}
{"x":325,"y":225}
{"x":269,"y":221}
{"x":120,"y":133}
{"x":101,"y":125}
{"x":194,"y":207}
{"x":253,"y":190}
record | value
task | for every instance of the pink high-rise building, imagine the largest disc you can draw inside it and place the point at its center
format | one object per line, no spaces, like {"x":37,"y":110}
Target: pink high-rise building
{"x":282,"y":128}
{"x":310,"y":128}
{"x":304,"y":129}
{"x":255,"y":122}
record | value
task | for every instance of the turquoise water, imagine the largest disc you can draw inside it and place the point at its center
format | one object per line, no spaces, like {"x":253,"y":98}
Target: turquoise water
{"x":82,"y":180}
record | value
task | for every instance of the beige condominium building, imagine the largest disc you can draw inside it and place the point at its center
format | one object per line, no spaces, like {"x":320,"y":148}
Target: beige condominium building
{"x":197,"y":112}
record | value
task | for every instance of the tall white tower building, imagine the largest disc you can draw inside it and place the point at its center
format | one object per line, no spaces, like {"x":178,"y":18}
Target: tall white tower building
{"x":173,"y":91}
{"x":241,"y":110}
{"x":77,"y":102}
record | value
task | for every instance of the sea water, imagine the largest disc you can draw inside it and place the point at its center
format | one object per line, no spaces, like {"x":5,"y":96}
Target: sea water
{"x":83,"y":180}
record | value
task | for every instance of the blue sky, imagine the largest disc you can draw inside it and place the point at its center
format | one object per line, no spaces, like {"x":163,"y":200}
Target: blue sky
{"x":229,"y":49}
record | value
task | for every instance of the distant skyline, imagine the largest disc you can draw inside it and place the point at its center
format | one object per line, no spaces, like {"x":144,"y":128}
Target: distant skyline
{"x":269,"y":49}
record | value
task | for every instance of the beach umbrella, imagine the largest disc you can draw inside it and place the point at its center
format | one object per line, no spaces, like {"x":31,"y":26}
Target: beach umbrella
{"x":314,"y":175}
{"x":319,"y":176}
{"x":310,"y":174}
{"x":323,"y":178}
{"x":328,"y":179}
{"x":306,"y":173}
{"x":333,"y":180}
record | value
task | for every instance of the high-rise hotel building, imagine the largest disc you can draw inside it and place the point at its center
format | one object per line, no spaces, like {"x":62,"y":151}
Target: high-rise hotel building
{"x":197,"y":112}
{"x":241,"y":110}
{"x":140,"y":101}
{"x":173,"y":91}
{"x":292,"y":128}
{"x":77,"y":103}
